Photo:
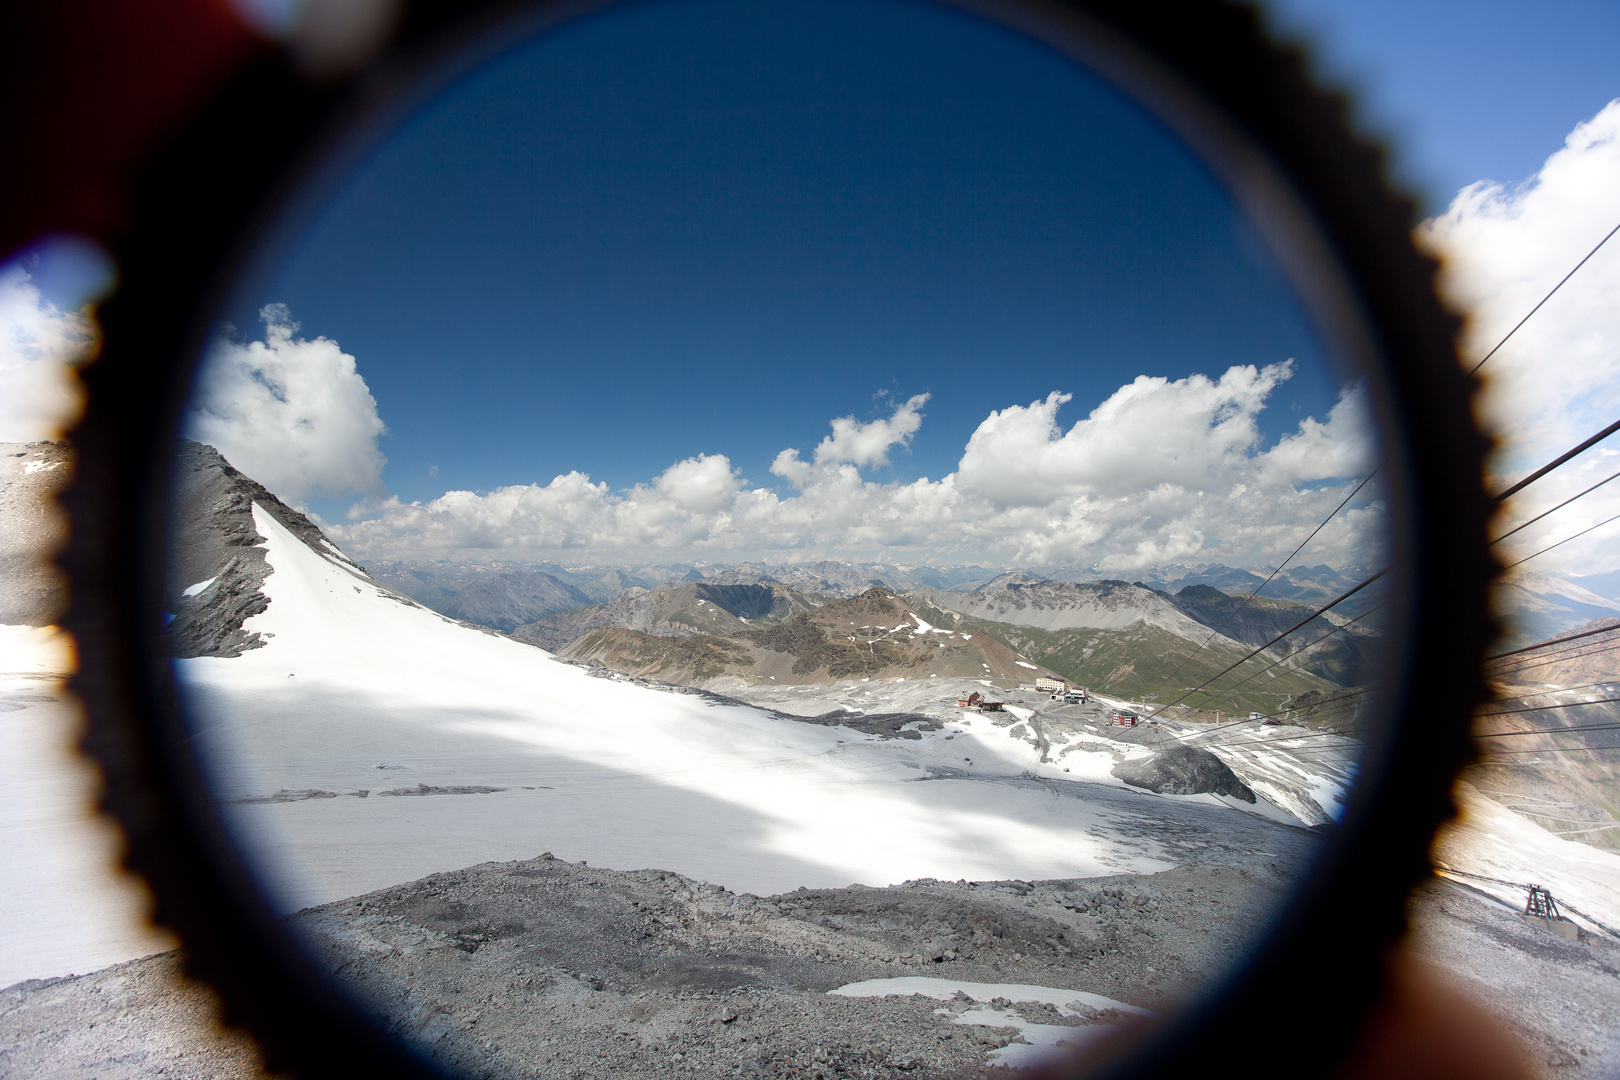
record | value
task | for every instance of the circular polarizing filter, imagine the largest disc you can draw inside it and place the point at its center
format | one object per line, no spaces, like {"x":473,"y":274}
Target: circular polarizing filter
{"x":802,"y":539}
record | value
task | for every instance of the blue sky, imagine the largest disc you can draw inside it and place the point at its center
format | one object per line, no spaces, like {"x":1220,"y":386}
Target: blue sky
{"x":715,"y":227}
{"x":675,"y":231}
{"x":1466,"y":89}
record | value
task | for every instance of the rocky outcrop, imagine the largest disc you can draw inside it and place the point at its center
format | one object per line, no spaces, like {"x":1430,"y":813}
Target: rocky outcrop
{"x":217,"y":566}
{"x":1183,"y":770}
{"x":33,"y":592}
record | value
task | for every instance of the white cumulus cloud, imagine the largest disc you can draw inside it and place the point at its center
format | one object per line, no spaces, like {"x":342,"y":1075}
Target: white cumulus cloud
{"x":1557,"y":380}
{"x":294,"y":414}
{"x":854,"y":443}
{"x":1162,"y":470}
{"x":1152,"y":432}
{"x":40,"y":346}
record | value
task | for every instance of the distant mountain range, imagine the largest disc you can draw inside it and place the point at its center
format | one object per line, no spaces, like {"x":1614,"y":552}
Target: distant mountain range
{"x":1123,"y":638}
{"x":551,"y":605}
{"x":1301,"y":583}
{"x":1130,"y":641}
{"x":1536,"y":606}
{"x":506,"y":597}
{"x":1066,"y":625}
{"x":676,"y":609}
{"x":874,"y":635}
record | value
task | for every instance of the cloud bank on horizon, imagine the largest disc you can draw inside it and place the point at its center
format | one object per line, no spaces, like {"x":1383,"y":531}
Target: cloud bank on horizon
{"x":40,"y":346}
{"x":1163,"y":470}
{"x":1557,"y":380}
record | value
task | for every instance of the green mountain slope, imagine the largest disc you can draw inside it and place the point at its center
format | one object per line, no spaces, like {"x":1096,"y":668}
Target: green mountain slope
{"x":1142,"y":659}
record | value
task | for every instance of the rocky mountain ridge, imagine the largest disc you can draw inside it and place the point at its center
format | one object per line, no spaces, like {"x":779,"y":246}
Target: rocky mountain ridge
{"x":676,"y":610}
{"x":1026,"y":600}
{"x":876,"y":635}
{"x":217,"y":564}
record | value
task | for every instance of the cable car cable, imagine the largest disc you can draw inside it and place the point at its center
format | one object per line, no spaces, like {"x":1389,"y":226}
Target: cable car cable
{"x":1556,"y":462}
{"x":1562,"y":542}
{"x":1560,"y":506}
{"x":1544,"y":299}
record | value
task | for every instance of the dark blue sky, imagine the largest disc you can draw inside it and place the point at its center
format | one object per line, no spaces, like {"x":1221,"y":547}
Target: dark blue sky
{"x":714,"y":226}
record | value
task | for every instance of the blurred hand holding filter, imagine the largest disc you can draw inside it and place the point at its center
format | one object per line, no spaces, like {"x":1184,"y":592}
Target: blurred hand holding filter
{"x":858,"y":539}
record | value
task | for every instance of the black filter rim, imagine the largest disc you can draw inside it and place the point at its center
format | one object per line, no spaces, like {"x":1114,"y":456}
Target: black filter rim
{"x":1248,"y":106}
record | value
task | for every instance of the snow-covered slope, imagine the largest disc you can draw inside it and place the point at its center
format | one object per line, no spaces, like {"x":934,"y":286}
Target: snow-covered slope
{"x":1496,"y":851}
{"x":369,"y":741}
{"x":64,"y":906}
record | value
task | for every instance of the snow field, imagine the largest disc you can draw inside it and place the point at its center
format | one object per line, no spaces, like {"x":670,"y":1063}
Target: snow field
{"x":1489,"y":840}
{"x":351,"y":680}
{"x":1289,"y":786}
{"x":65,"y":907}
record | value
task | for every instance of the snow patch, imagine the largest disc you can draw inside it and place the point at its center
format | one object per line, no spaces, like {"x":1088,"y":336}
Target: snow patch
{"x":1042,"y":1043}
{"x":193,"y":590}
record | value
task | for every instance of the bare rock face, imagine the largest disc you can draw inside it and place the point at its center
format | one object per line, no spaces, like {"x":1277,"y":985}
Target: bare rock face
{"x":1183,"y":770}
{"x":217,"y":566}
{"x":32,"y":528}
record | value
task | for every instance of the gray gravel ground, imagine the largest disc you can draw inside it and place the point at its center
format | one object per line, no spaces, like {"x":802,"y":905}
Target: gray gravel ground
{"x":1560,"y":998}
{"x":32,"y":527}
{"x":133,"y":1021}
{"x":556,"y":969}
{"x":550,"y":969}
{"x":546,"y":968}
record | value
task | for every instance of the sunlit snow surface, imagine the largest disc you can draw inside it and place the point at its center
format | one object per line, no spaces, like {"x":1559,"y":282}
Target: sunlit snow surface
{"x":1489,"y":841}
{"x":64,"y":906}
{"x":358,"y":691}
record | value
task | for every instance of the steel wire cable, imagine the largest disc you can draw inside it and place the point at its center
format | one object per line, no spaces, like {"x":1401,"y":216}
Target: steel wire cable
{"x":1574,"y":451}
{"x":1578,"y":652}
{"x":1605,"y":684}
{"x":1326,"y":708}
{"x":1612,"y":725}
{"x":1248,"y":599}
{"x":1560,"y":506}
{"x":1547,"y":708}
{"x":1339,"y":707}
{"x":1562,"y":542}
{"x":1544,"y":299}
{"x":1292,"y":655}
{"x":1336,"y":601}
{"x":1239,"y":744}
{"x":1550,"y":750}
{"x":1553,"y":641}
{"x":1510,"y":675}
